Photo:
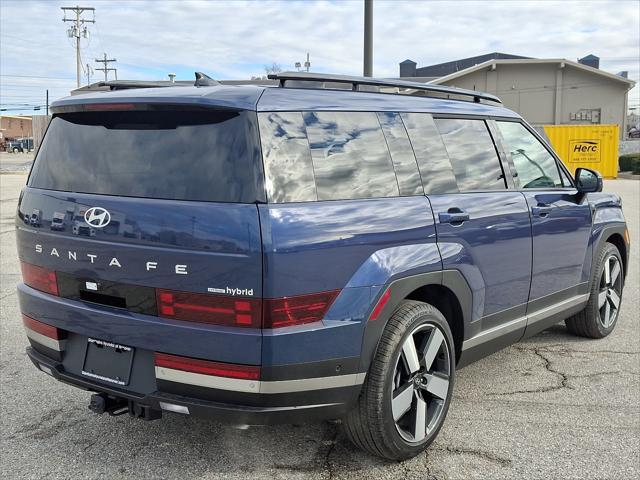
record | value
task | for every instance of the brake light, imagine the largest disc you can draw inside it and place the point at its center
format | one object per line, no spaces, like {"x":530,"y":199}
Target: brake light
{"x":207,"y":367}
{"x":39,"y":278}
{"x":108,"y":107}
{"x":211,"y":309}
{"x":42,"y":328}
{"x":380,"y":305}
{"x":298,"y":310}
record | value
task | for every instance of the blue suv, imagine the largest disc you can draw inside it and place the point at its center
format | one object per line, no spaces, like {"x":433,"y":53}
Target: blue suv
{"x":329,"y":247}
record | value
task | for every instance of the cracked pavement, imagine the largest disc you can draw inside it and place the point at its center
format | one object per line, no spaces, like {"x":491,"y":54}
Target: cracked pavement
{"x":553,"y":406}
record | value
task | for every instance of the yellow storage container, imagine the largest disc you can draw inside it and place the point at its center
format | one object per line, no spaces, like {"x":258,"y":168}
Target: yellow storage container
{"x":589,"y":146}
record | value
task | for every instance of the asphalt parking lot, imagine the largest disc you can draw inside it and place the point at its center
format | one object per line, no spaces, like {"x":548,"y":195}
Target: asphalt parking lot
{"x":554,"y":406}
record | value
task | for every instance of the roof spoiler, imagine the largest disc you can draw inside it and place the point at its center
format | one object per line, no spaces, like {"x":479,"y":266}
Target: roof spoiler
{"x":202,"y":80}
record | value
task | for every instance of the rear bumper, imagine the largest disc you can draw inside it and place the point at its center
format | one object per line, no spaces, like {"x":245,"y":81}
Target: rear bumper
{"x":310,"y":405}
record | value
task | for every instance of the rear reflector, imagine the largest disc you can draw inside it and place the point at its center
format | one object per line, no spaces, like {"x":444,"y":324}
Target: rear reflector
{"x":172,"y":407}
{"x":380,"y":305}
{"x":212,"y":309}
{"x":42,"y":328}
{"x":39,"y":278}
{"x":298,"y":310}
{"x":206,"y":367}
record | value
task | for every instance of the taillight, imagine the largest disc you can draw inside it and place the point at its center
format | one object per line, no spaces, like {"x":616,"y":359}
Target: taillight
{"x":212,"y":309}
{"x":39,"y":278}
{"x":298,"y":310}
{"x":207,"y":367}
{"x":42,"y":328}
{"x":380,"y":305}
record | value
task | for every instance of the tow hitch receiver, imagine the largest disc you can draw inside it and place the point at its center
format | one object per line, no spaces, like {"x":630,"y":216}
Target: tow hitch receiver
{"x":114,"y":406}
{"x":101,"y":403}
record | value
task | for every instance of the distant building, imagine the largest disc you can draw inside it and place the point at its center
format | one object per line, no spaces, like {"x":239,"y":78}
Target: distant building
{"x":409,"y":68}
{"x":13,"y":127}
{"x":543,"y":91}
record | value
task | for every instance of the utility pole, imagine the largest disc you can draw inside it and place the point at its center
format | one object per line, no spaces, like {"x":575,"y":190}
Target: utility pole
{"x":77,"y":30}
{"x":47,"y":102}
{"x":105,"y":68}
{"x":368,"y":38}
{"x":89,"y":73}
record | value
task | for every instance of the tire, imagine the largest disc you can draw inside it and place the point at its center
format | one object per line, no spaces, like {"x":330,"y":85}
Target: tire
{"x":16,"y":149}
{"x":370,"y":425}
{"x":600,"y":315}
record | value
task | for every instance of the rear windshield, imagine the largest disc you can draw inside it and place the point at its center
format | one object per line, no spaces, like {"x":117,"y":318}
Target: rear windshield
{"x":179,"y":155}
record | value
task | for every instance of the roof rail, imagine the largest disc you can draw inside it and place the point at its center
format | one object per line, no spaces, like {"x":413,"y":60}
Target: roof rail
{"x":356,"y":82}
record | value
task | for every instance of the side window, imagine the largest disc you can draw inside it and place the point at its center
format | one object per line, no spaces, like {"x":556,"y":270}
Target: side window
{"x":473,"y":156}
{"x":536,"y":167}
{"x":286,"y":156}
{"x":404,"y":161}
{"x":564,"y":176}
{"x":433,"y":161}
{"x":350,"y":156}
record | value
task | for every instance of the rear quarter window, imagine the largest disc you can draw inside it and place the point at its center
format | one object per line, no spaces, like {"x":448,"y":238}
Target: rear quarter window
{"x":287,"y":158}
{"x":178,"y":155}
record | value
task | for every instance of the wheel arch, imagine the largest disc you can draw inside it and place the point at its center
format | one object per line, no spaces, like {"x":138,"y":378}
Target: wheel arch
{"x":446,"y":301}
{"x":618,"y":240}
{"x":613,"y":233}
{"x":446,"y":290}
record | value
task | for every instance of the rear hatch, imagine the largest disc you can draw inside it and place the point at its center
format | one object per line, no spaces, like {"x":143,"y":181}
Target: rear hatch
{"x":152,"y":213}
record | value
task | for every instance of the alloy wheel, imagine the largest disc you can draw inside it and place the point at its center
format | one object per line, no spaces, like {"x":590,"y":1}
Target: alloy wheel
{"x":421,"y":383}
{"x":610,"y":291}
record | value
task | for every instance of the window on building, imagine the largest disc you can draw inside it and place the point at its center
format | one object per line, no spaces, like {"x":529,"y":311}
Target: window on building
{"x":535,"y":166}
{"x":433,"y":161}
{"x":404,"y":161}
{"x":473,"y":155}
{"x":350,"y":156}
{"x":286,"y":156}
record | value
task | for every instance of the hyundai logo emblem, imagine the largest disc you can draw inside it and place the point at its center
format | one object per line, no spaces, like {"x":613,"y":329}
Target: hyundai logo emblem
{"x":97,"y":217}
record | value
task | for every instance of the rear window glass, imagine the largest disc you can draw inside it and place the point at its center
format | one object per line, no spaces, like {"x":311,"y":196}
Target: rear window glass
{"x":350,"y":156}
{"x":179,"y":155}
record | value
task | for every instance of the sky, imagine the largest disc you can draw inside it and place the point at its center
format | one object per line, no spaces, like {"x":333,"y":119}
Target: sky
{"x":236,"y":39}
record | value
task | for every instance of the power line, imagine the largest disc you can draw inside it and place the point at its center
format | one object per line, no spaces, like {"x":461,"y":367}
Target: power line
{"x":36,"y":76}
{"x":77,"y":30}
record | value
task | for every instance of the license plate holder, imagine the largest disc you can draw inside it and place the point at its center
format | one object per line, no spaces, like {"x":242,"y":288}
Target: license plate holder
{"x":108,"y":362}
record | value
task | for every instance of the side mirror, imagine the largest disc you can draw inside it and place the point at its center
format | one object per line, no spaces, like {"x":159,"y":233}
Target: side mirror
{"x":588,"y":180}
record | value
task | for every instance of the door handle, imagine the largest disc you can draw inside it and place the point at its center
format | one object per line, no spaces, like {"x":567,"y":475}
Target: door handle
{"x":541,"y":210}
{"x":453,"y":215}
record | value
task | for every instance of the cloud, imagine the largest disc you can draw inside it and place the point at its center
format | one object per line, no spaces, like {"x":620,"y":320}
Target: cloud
{"x":235,"y":39}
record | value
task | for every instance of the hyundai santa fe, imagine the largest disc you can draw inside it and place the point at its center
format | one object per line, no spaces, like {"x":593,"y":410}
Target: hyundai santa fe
{"x":326,"y":247}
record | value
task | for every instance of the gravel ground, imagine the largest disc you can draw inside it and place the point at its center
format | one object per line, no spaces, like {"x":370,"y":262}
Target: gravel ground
{"x":554,"y":406}
{"x":15,"y":162}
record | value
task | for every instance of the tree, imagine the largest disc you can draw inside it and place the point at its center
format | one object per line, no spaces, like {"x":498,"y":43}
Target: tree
{"x":273,"y":68}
